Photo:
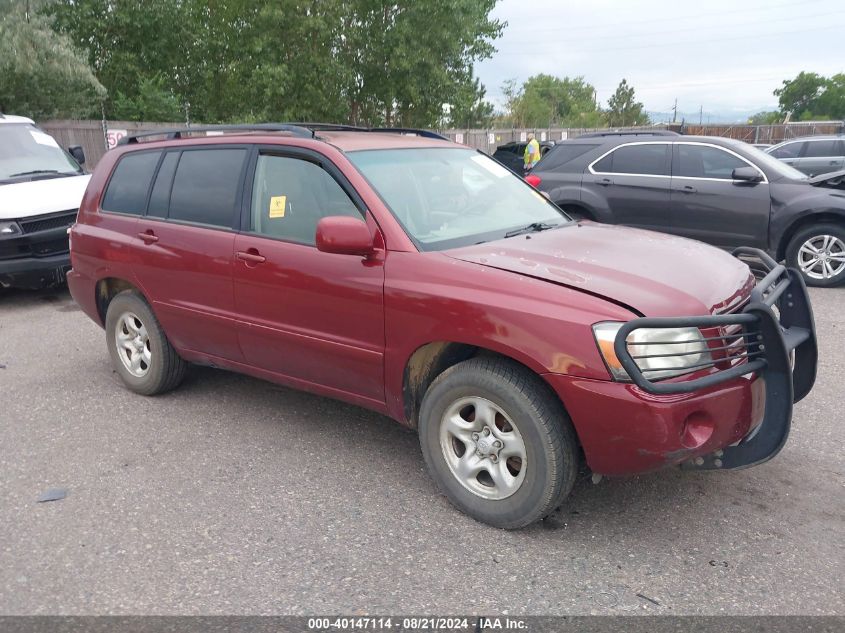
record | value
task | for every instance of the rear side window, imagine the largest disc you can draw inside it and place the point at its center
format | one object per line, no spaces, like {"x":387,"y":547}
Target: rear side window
{"x":820,"y":149}
{"x":562,"y":154}
{"x":129,"y":184}
{"x":206,"y":186}
{"x":648,"y":159}
{"x":790,"y":150}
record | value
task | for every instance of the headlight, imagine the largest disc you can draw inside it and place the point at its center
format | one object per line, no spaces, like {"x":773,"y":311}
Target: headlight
{"x":8,"y":229}
{"x":658,"y":352}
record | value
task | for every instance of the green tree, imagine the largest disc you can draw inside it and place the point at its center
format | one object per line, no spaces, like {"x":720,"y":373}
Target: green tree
{"x":766,"y":118}
{"x":801,"y":95}
{"x":469,"y":109}
{"x":41,"y":74}
{"x":623,"y":109}
{"x":154,"y":101}
{"x":546,"y":101}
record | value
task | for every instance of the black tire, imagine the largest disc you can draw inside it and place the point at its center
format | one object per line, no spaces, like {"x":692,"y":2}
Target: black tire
{"x":549,"y":440}
{"x":165,"y":369}
{"x":809,"y":233}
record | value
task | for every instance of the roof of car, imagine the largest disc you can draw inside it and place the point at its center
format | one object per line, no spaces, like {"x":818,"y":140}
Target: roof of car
{"x":350,"y":141}
{"x":818,"y":137}
{"x":11,"y":118}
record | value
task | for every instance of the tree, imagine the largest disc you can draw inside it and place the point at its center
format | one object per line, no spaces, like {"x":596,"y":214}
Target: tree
{"x":546,"y":101}
{"x":469,"y":108}
{"x":766,"y":118}
{"x":623,"y":109}
{"x":800,"y":96}
{"x":154,"y":101}
{"x":41,"y":74}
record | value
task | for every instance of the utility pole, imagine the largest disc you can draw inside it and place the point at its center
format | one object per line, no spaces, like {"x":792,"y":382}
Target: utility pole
{"x":675,"y":111}
{"x":700,"y":114}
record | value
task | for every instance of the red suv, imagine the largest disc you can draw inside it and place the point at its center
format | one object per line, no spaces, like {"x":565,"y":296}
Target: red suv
{"x":398,"y":271}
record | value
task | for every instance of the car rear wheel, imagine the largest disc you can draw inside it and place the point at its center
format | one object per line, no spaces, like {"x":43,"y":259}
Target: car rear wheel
{"x":140,"y":351}
{"x":497,"y":442}
{"x":819,"y":253}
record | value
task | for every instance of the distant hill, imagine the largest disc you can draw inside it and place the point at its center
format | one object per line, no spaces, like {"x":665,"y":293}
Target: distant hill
{"x":716,"y":116}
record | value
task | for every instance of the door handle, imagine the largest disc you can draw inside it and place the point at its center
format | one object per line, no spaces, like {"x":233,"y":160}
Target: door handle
{"x":148,"y":237}
{"x":251,"y":256}
{"x":688,"y":189}
{"x":604,"y":182}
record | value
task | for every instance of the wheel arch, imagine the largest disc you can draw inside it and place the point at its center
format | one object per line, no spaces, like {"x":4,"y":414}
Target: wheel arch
{"x":836,"y":217}
{"x":106,"y":289}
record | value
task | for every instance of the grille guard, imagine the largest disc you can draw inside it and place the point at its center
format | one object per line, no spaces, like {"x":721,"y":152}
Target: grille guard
{"x":769,"y":343}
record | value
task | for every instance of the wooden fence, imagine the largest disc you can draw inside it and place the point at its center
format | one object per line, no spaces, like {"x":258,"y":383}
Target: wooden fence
{"x":92,"y":135}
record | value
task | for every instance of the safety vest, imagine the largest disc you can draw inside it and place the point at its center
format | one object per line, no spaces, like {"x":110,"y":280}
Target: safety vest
{"x":532,"y":153}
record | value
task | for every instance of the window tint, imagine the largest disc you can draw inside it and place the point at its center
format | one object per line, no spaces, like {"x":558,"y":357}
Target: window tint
{"x":649,"y":159}
{"x":790,"y":150}
{"x":817,"y":149}
{"x":289,"y":197}
{"x":700,"y":161}
{"x":130,"y":182}
{"x":206,"y":186}
{"x":160,"y":196}
{"x":562,"y":154}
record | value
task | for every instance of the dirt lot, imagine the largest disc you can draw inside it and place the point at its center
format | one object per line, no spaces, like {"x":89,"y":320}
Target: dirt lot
{"x":233,"y":495}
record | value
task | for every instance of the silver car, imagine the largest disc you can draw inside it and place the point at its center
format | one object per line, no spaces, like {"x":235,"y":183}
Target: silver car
{"x":813,"y":155}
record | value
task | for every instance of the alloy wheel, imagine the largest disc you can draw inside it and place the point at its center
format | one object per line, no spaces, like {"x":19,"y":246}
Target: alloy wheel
{"x":822,"y":257}
{"x":133,"y":344}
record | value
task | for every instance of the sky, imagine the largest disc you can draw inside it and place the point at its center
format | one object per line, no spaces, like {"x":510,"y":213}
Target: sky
{"x":723,"y":56}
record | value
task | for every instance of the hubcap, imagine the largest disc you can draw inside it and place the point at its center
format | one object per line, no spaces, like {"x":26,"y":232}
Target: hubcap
{"x":133,"y":344}
{"x":483,"y":448}
{"x":822,"y":257}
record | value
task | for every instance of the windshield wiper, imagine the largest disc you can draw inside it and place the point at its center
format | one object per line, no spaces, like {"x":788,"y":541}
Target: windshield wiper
{"x":35,"y":172}
{"x":534,"y":227}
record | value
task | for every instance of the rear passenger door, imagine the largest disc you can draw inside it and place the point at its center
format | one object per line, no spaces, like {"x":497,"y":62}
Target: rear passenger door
{"x":316,"y":318}
{"x":709,"y":205}
{"x":821,"y":156}
{"x":186,"y":240}
{"x":633,"y":180}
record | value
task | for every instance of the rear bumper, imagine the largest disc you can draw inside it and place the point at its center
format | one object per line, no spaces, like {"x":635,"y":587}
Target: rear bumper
{"x":82,"y":289}
{"x":34,"y":272}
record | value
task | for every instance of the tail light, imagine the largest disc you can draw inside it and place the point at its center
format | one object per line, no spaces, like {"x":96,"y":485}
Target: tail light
{"x":533,"y":180}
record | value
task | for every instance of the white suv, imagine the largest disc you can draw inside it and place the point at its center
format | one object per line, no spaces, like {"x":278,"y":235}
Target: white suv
{"x":41,"y":186}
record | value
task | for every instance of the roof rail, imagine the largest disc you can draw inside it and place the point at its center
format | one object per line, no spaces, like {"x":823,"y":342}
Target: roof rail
{"x":629,"y":133}
{"x":176,"y":133}
{"x":304,"y":130}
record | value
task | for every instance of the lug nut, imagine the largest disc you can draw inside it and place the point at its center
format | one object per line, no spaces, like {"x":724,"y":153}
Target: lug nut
{"x":497,"y":444}
{"x":475,"y":436}
{"x":493,"y":457}
{"x":486,"y":431}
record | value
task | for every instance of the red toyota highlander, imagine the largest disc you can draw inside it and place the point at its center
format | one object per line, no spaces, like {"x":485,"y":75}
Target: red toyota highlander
{"x":403,"y":273}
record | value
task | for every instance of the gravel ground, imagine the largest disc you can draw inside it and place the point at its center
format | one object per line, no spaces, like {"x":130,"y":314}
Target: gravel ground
{"x":236,"y":496}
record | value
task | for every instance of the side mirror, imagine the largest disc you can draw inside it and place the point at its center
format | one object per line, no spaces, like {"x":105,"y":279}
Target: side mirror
{"x":78,"y":153}
{"x":747,"y":174}
{"x":344,"y":235}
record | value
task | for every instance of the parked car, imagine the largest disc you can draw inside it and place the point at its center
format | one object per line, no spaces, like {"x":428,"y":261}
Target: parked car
{"x":717,"y":190}
{"x":512,"y":155}
{"x":421,"y":279}
{"x":813,"y":155}
{"x":41,"y":186}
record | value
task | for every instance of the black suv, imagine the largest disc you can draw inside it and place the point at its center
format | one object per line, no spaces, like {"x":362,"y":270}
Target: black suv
{"x":717,"y":190}
{"x":512,"y":155}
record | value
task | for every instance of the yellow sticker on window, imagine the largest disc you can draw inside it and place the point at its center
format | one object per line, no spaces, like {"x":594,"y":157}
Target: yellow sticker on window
{"x":277,"y":206}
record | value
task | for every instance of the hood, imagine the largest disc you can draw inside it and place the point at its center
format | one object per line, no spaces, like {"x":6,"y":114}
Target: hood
{"x":650,"y":273}
{"x":831,"y":179}
{"x":37,"y":197}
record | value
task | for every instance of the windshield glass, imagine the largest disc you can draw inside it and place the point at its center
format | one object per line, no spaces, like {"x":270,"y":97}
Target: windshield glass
{"x":26,"y":151}
{"x":774,"y":168}
{"x":449,"y":197}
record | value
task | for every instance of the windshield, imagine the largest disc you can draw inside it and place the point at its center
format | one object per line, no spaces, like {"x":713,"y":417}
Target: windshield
{"x":449,"y":197}
{"x":26,"y":151}
{"x":774,"y":168}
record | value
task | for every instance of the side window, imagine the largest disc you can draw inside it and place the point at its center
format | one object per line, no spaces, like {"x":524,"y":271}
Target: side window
{"x":129,"y":184}
{"x":648,"y":159}
{"x":160,"y":196}
{"x":701,"y":161}
{"x":205,"y":187}
{"x":790,"y":150}
{"x":820,"y":149}
{"x":290,"y":195}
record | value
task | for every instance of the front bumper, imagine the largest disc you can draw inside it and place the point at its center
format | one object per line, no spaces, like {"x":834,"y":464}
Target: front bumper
{"x":733,"y":413}
{"x":34,"y":272}
{"x":39,"y":256}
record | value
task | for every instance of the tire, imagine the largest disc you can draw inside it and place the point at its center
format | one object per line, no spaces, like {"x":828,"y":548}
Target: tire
{"x":139,"y":349}
{"x":523,"y":409}
{"x":829,"y":240}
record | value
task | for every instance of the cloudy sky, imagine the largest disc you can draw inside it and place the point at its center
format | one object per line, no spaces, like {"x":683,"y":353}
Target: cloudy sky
{"x":722,"y":55}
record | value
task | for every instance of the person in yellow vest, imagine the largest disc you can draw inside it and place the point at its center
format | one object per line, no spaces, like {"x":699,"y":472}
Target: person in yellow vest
{"x":532,"y":152}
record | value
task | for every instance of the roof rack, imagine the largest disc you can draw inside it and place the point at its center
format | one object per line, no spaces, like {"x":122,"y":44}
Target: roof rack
{"x":176,"y":133}
{"x":629,"y":133}
{"x":303,"y":130}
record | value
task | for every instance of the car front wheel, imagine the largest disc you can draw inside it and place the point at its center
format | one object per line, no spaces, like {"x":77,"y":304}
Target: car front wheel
{"x":140,"y":352}
{"x":497,"y":442}
{"x":819,"y":253}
